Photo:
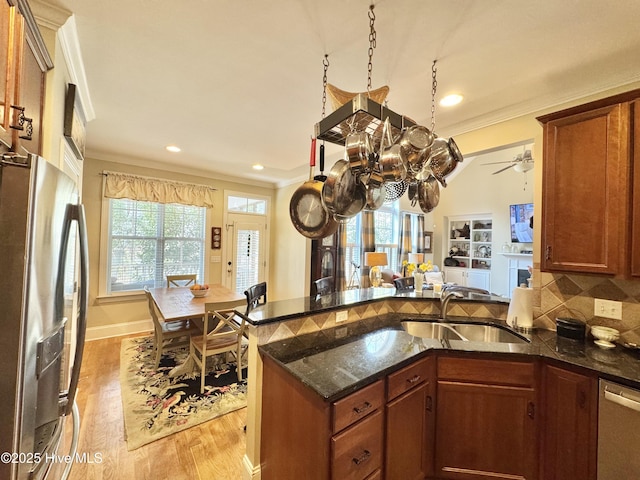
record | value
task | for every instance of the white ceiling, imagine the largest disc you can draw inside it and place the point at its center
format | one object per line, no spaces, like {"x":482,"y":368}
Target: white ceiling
{"x":238,"y":82}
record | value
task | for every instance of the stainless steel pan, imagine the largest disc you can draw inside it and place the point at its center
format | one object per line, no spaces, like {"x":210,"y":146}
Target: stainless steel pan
{"x":443,"y":159}
{"x":308,"y":215}
{"x":415,"y":142}
{"x":358,"y":148}
{"x":392,"y":162}
{"x":343,"y":195}
{"x":428,"y":194}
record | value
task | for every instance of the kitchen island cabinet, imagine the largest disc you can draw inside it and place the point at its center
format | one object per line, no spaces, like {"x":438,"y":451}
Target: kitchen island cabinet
{"x":486,"y":419}
{"x":304,"y":436}
{"x":588,"y":201}
{"x":410,"y":422}
{"x":569,"y":437}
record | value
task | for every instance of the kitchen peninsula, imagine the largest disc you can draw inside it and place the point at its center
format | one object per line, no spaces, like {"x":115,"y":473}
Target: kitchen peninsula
{"x":318,"y":389}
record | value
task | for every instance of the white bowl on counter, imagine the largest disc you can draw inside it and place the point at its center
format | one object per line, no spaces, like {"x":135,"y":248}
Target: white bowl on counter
{"x":604,"y":336}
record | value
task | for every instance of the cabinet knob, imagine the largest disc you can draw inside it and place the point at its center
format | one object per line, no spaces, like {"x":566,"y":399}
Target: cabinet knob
{"x":547,"y":253}
{"x":414,"y":379}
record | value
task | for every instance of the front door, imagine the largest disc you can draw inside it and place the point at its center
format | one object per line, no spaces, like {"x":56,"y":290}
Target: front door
{"x":246,"y":257}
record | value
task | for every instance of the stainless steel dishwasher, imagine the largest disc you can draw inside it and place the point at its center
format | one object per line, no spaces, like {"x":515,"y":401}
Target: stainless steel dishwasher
{"x":618,"y":432}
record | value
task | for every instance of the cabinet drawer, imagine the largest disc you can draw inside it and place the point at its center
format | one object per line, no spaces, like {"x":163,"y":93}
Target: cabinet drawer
{"x":357,"y":451}
{"x":495,"y":372}
{"x":407,"y":378}
{"x":357,"y":405}
{"x":377,"y":475}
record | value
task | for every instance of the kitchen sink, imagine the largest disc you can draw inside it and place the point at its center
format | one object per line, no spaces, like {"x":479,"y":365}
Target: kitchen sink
{"x":468,"y":332}
{"x":439,"y":331}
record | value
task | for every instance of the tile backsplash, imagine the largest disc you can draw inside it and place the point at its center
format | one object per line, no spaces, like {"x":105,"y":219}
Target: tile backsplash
{"x":562,"y":295}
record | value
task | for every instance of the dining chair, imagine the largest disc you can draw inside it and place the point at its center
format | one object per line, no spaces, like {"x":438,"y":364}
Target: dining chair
{"x":167,"y":335}
{"x":226,"y":335}
{"x":255,"y":294}
{"x":404,"y":284}
{"x":181,"y":280}
{"x":324,"y":286}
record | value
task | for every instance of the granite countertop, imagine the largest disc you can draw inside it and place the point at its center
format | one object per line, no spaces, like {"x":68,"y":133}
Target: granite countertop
{"x":279,"y":310}
{"x":341,"y":360}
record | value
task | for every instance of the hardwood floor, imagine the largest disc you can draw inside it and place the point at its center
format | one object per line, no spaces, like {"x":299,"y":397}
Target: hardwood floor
{"x":211,"y":451}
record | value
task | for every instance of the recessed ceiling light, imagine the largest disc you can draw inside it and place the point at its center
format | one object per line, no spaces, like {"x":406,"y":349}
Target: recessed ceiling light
{"x":451,"y":100}
{"x":172,"y":148}
{"x":257,"y":166}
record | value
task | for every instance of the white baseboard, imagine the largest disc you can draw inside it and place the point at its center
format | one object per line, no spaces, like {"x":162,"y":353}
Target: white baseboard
{"x":250,"y":471}
{"x":119,"y":329}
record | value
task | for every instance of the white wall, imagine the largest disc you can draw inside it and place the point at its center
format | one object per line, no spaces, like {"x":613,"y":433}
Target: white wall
{"x":476,"y":191}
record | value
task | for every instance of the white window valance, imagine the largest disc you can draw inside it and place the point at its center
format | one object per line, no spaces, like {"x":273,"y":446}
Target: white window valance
{"x":148,"y":189}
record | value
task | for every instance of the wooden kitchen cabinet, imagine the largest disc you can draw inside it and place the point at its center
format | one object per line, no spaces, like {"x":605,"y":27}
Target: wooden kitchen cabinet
{"x":486,"y":422}
{"x":25,"y":61}
{"x":410,"y":422}
{"x":635,"y":199}
{"x":305,"y":437}
{"x":590,"y":217}
{"x":569,"y":431}
{"x":7,"y":49}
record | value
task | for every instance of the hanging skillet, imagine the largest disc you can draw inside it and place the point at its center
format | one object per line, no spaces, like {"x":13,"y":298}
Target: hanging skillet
{"x":308,"y":215}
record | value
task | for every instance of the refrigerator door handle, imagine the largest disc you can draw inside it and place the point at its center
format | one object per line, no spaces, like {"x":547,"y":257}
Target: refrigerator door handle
{"x":74,"y":213}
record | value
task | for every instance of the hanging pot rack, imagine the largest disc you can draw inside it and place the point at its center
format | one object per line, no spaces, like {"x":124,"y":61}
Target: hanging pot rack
{"x":426,"y":168}
{"x":360,"y":114}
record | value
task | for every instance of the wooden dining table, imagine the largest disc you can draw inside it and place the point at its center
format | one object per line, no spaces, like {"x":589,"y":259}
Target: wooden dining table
{"x":177,"y":303}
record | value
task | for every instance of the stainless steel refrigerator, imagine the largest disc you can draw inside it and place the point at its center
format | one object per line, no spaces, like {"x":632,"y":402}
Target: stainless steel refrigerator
{"x":43,"y":304}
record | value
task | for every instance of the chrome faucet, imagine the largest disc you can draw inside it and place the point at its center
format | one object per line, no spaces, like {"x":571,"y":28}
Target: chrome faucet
{"x":457,"y":291}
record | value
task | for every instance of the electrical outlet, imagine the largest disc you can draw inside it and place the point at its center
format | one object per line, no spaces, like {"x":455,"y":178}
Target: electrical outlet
{"x":342,"y":316}
{"x":607,"y":309}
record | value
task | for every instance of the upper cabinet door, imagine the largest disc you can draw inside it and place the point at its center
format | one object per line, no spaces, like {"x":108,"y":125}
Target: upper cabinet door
{"x":585,"y":191}
{"x":24,"y":61}
{"x":7,"y":60}
{"x":635,"y":199}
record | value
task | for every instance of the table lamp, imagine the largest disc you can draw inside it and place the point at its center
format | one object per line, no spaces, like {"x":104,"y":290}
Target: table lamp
{"x":416,"y":258}
{"x":375,"y":260}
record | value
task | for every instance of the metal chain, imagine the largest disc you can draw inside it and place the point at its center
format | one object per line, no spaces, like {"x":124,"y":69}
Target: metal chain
{"x":372,"y":45}
{"x":325,"y":63}
{"x":434,"y":86}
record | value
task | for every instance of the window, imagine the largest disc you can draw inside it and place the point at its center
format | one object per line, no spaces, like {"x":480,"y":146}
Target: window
{"x":148,"y":241}
{"x":246,"y":205}
{"x":387,"y":226}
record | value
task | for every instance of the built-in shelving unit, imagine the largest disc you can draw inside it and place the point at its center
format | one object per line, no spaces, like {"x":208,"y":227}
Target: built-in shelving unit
{"x":470,"y":245}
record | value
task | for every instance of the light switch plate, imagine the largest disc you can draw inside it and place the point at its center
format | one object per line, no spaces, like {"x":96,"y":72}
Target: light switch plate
{"x":342,"y":316}
{"x":607,"y":309}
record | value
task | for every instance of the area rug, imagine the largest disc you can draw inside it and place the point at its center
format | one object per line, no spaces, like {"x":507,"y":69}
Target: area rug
{"x":156,"y":405}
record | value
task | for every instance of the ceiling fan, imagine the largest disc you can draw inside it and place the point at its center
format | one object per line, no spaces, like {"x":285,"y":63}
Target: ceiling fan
{"x":523,"y":162}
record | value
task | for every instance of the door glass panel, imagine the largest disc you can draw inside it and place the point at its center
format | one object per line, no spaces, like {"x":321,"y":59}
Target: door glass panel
{"x":247,"y":259}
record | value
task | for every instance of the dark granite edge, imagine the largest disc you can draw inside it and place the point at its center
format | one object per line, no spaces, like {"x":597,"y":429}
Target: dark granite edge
{"x":281,"y":310}
{"x":616,"y":365}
